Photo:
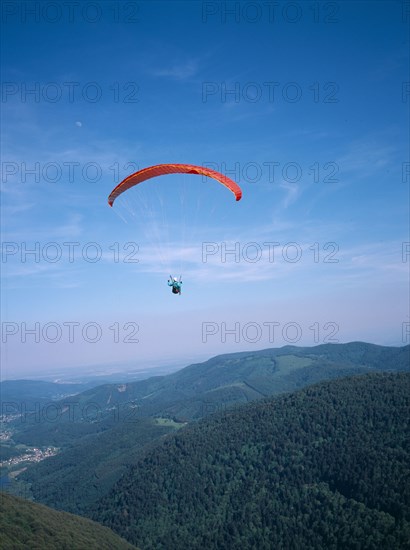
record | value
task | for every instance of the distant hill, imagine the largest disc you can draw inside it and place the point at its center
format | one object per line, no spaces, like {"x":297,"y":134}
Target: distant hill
{"x":246,"y":376}
{"x":201,"y":389}
{"x":325,"y":467}
{"x":25,"y":395}
{"x":25,"y":525}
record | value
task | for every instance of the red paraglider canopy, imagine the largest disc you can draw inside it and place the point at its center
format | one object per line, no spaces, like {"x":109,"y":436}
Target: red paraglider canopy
{"x":161,"y":169}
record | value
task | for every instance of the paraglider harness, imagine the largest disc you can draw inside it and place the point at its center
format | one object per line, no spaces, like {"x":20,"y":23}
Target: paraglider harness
{"x":176,"y":285}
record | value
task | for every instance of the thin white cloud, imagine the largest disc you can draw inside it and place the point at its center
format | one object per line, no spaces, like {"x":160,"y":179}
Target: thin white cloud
{"x":292,"y":193}
{"x":331,"y":263}
{"x":178,"y":71}
{"x":365,"y":158}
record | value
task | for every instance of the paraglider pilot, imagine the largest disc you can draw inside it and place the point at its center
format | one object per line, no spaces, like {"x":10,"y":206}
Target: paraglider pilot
{"x":176,"y":285}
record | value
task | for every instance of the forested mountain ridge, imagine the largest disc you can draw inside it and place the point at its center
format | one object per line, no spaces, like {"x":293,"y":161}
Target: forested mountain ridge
{"x":198,"y":389}
{"x":325,"y":467}
{"x":98,"y":445}
{"x":25,"y":525}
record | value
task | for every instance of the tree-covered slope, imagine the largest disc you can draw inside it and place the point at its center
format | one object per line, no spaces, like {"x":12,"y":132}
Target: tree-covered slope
{"x":203,"y":388}
{"x":25,"y":525}
{"x":326,"y":467}
{"x":101,"y":432}
{"x":74,"y":479}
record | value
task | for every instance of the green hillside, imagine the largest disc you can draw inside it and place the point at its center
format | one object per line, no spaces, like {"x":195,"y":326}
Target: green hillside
{"x":203,"y":388}
{"x":76,"y":478}
{"x":25,"y":525}
{"x":98,"y":446}
{"x":326,"y":467}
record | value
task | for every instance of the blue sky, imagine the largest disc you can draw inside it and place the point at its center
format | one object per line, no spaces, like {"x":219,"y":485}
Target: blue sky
{"x":304,"y":104}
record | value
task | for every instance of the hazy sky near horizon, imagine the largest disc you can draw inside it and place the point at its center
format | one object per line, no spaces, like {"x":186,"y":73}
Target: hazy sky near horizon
{"x":304,"y":104}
